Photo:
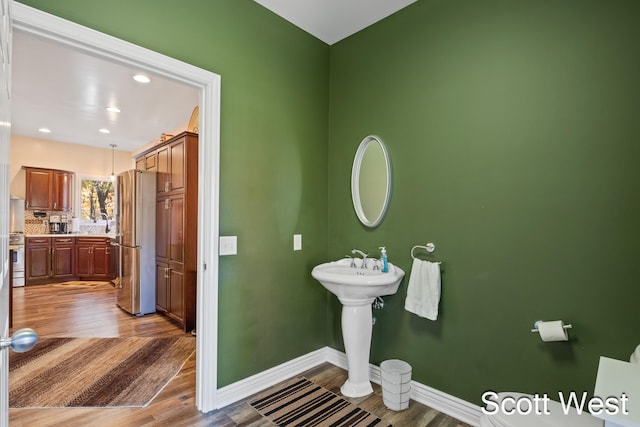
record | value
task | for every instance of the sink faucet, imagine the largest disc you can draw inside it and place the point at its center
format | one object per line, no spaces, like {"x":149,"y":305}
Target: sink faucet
{"x":363,"y":255}
{"x":106,"y":229}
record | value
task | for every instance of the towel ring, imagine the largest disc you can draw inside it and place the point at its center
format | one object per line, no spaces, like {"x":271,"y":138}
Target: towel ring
{"x":430,"y":247}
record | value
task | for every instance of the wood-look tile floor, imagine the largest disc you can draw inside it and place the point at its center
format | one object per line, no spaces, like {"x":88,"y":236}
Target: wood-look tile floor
{"x":76,"y":312}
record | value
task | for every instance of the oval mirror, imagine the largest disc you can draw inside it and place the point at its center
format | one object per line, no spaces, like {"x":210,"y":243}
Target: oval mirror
{"x":371,"y":181}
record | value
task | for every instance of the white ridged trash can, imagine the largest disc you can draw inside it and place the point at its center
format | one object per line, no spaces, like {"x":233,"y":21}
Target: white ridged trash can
{"x":396,"y":384}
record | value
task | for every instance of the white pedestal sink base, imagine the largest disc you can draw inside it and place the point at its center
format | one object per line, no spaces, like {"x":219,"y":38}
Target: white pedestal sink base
{"x":356,"y":333}
{"x":356,"y":288}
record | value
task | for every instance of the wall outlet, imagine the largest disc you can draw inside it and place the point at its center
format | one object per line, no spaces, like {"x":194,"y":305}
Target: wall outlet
{"x":297,"y":242}
{"x":228,"y":245}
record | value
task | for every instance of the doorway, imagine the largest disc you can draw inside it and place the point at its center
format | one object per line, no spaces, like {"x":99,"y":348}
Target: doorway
{"x":75,"y":36}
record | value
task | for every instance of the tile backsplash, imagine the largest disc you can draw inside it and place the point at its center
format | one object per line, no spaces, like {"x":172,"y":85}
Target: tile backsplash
{"x":34,"y":225}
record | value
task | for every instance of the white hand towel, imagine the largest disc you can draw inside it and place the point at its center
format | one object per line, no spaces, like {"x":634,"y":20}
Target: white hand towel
{"x":423,"y":292}
{"x":635,"y":356}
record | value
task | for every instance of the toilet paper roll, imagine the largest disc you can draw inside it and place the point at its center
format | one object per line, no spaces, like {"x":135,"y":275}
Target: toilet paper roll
{"x":553,"y":331}
{"x":635,"y":356}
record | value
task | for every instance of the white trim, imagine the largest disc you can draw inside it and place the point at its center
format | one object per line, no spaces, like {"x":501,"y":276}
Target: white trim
{"x":428,"y":396}
{"x":59,"y":30}
{"x":208,"y":236}
{"x":255,"y":383}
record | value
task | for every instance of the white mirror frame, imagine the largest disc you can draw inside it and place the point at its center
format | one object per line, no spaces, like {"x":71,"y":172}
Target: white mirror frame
{"x":355,"y":181}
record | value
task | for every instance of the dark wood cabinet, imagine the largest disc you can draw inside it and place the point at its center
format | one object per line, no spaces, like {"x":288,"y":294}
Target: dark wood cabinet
{"x":62,"y":190}
{"x":170,"y":256}
{"x":38,"y":190}
{"x":162,"y":170}
{"x":37,"y":260}
{"x":170,"y":162}
{"x":150,"y":162}
{"x":62,"y":258}
{"x":48,"y":189}
{"x":170,"y":229}
{"x":92,"y":255}
{"x":176,"y":163}
{"x":170,"y":292}
{"x":162,"y":288}
{"x":49,"y":259}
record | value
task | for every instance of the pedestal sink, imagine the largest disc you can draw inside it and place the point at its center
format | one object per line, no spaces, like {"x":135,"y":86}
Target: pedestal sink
{"x":356,"y":288}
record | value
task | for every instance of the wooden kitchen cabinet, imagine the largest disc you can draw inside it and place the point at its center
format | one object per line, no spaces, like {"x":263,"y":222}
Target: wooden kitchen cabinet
{"x":62,"y":190}
{"x":146,"y":163}
{"x":49,"y":259}
{"x":170,"y":292}
{"x":37,"y":260}
{"x":38,"y":190}
{"x":170,"y":163}
{"x":175,"y":162}
{"x":92,"y":255}
{"x":150,"y":162}
{"x":62,"y":258}
{"x":48,"y":189}
{"x":162,"y":170}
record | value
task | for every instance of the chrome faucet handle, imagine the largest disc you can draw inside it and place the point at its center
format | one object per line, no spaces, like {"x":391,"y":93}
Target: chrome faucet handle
{"x":375,"y":264}
{"x":353,"y":261}
{"x":363,"y":255}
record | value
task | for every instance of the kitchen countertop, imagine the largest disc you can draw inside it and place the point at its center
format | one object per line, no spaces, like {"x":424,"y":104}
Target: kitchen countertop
{"x":26,"y":236}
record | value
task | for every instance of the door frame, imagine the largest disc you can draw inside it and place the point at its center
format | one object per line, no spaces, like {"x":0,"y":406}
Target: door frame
{"x":59,"y":30}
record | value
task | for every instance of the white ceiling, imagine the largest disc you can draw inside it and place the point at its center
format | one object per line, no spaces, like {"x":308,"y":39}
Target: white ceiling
{"x":334,"y":20}
{"x":67,"y":91}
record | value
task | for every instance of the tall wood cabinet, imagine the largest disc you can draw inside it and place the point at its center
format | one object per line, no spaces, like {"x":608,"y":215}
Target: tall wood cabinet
{"x":176,"y":164}
{"x":48,"y":189}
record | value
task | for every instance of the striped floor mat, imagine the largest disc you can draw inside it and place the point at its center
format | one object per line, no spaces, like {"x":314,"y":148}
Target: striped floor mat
{"x":305,"y":403}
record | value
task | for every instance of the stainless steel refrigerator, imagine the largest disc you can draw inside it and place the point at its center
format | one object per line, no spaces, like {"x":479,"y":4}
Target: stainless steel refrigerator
{"x":135,"y":242}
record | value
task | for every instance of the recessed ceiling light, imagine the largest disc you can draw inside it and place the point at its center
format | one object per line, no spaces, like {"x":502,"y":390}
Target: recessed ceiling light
{"x":113,"y":109}
{"x":44,"y":130}
{"x":141,"y":78}
{"x":103,"y":130}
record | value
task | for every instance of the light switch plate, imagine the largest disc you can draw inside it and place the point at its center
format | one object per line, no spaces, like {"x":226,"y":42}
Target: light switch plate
{"x":228,"y":245}
{"x":297,"y":242}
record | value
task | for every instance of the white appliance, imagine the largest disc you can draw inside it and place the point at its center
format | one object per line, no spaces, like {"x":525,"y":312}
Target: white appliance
{"x":16,"y":239}
{"x":135,"y":244}
{"x":16,"y":243}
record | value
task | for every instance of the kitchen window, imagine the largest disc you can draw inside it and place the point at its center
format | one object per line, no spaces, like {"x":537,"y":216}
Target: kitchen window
{"x":97,"y":199}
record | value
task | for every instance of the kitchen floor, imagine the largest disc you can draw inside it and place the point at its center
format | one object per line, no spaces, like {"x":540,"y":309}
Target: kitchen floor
{"x":55,"y":311}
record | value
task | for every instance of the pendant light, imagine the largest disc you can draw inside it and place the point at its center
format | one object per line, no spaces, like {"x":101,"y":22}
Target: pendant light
{"x":113,"y":154}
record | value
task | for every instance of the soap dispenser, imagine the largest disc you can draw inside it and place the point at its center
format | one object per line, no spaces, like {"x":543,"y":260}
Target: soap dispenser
{"x":385,"y":260}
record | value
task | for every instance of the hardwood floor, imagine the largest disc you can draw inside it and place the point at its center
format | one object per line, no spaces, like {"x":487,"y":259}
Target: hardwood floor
{"x":55,"y":311}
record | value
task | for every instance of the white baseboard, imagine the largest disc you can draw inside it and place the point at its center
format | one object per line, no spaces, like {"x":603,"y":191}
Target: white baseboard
{"x":265,"y":379}
{"x":428,"y":396}
{"x":436,"y":399}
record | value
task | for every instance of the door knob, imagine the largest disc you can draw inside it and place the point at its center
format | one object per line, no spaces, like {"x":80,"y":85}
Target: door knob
{"x":22,"y":340}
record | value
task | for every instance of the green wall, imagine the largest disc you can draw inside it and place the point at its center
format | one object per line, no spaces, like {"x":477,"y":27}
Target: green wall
{"x":513,"y":131}
{"x":273,"y":173}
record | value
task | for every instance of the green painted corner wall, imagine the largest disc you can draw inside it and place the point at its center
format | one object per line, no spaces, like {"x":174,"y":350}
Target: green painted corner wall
{"x":513,"y":132}
{"x":273,"y":172}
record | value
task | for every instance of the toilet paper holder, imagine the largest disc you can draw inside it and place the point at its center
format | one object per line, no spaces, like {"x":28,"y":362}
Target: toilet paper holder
{"x":535,"y":325}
